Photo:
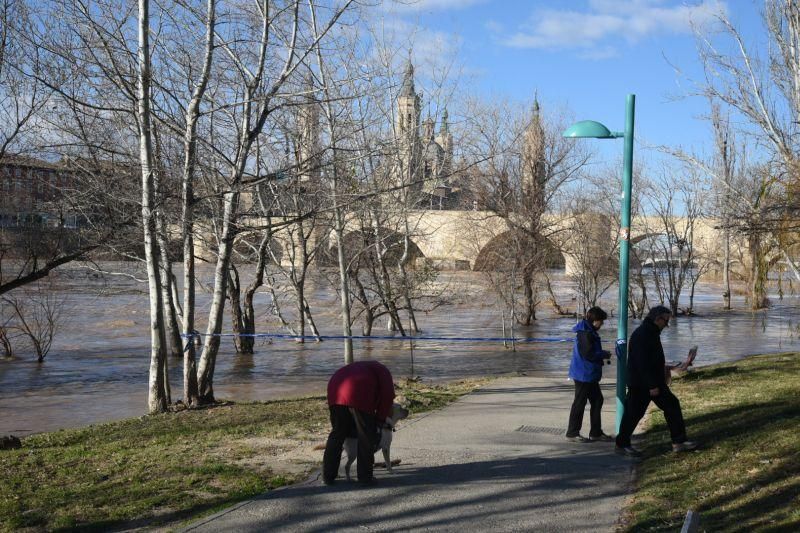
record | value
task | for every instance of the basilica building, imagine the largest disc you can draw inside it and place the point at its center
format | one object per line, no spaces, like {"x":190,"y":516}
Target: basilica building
{"x":424,"y":156}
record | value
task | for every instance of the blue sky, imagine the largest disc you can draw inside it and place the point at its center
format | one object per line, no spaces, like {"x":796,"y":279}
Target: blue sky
{"x":583,"y":55}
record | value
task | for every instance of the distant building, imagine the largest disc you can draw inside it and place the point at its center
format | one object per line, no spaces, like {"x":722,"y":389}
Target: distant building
{"x":30,"y":190}
{"x":425,"y":158}
{"x":308,"y":149}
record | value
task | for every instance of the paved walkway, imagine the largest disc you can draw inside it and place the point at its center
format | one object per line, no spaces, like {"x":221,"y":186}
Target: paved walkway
{"x":496,"y":460}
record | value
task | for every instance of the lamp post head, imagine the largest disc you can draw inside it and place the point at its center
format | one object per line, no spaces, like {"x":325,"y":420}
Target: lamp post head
{"x":590,"y":129}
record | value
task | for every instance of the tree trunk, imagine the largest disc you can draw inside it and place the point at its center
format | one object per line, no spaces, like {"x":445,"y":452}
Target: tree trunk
{"x":553,"y":299}
{"x":344,"y":289}
{"x":157,"y":401}
{"x":208,"y":359}
{"x":530,"y":301}
{"x":173,"y":330}
{"x":234,"y":296}
{"x":190,"y":390}
{"x":301,"y":312}
{"x":758,"y":273}
{"x":692,"y":287}
{"x":726,"y":270}
{"x":412,"y":319}
{"x":249,"y":315}
{"x":5,"y":343}
{"x":310,"y":320}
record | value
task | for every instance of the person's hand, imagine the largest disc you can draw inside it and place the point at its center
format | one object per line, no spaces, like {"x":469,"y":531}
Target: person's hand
{"x":655,"y":392}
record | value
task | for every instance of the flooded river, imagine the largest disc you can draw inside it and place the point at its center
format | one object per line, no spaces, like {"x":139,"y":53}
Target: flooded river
{"x":97,"y":368}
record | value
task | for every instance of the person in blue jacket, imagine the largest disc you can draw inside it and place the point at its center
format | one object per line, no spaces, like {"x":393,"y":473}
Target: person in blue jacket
{"x":586,"y":369}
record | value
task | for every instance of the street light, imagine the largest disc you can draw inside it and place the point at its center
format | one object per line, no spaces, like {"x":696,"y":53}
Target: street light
{"x":592,"y":129}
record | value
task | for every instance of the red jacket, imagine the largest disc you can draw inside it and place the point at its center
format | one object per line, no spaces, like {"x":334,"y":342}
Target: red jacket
{"x":363,"y":385}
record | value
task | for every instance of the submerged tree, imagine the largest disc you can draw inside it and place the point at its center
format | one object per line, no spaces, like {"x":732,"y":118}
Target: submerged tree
{"x":763,"y":87}
{"x":523,"y":164}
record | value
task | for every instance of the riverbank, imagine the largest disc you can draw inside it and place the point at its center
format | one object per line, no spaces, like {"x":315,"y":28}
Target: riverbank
{"x":746,"y":475}
{"x":162,"y":469}
{"x":97,"y":370}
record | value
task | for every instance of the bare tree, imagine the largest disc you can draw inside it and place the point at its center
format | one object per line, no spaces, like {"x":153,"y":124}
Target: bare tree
{"x":754,"y":192}
{"x":21,"y":97}
{"x":591,"y":248}
{"x":726,"y":164}
{"x":258,"y":81}
{"x":603,"y":189}
{"x":32,"y":250}
{"x":157,"y":387}
{"x":763,"y":86}
{"x":35,"y":316}
{"x":525,"y":163}
{"x":676,"y":204}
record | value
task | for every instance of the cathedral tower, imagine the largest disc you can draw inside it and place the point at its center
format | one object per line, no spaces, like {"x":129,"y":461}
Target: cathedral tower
{"x":445,"y":140}
{"x":534,"y":169}
{"x":407,"y":129}
{"x":308,"y":146}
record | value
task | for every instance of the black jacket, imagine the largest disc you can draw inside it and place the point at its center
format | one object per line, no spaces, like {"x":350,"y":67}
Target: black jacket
{"x":646,"y":357}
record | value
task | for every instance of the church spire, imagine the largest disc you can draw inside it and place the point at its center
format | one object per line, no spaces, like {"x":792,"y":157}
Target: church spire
{"x":407,"y":89}
{"x":445,"y":127}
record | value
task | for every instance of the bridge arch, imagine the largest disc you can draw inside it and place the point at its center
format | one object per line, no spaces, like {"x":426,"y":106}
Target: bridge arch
{"x":498,"y":252}
{"x":358,"y":242}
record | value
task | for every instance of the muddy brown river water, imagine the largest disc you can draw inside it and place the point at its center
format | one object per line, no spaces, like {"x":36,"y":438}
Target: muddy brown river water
{"x":97,"y":368}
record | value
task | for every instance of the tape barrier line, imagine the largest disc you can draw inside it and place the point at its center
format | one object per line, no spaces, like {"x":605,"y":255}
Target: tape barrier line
{"x":376,"y":337}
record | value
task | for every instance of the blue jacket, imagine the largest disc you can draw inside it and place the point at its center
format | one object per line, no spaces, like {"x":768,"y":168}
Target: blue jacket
{"x":589,"y":366}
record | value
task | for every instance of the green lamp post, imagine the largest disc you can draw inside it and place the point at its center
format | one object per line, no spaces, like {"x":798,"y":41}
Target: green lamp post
{"x":592,"y":129}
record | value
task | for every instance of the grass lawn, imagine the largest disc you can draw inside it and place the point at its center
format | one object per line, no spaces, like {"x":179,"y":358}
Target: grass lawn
{"x":746,"y":476}
{"x":166,"y":468}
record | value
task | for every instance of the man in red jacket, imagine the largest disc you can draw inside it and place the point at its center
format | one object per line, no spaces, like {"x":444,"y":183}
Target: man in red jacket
{"x":360,"y":399}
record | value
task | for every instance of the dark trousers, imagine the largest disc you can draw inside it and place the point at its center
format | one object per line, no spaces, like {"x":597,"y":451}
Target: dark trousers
{"x":636,"y":405}
{"x":343,"y":426}
{"x":586,"y":391}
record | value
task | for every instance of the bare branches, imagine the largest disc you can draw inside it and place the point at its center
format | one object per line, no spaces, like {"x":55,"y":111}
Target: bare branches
{"x":35,"y":317}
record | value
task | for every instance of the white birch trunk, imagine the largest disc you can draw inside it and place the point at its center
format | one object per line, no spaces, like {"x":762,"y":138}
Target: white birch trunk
{"x":338,"y":210}
{"x":211,"y":345}
{"x":190,"y":390}
{"x":156,"y":392}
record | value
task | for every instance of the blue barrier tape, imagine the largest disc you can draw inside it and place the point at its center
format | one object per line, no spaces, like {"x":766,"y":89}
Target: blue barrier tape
{"x":377,"y":337}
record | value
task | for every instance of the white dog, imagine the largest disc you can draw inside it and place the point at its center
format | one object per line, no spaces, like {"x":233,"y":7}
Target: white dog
{"x":351,"y":444}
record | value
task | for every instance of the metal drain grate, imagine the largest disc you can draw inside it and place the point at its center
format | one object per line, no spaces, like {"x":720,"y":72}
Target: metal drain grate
{"x":540,"y":429}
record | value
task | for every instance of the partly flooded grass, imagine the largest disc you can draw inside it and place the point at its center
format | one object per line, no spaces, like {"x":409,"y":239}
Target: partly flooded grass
{"x":746,"y":476}
{"x":166,"y":468}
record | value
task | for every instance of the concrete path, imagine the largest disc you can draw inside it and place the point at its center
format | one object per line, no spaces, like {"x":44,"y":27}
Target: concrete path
{"x":496,"y":460}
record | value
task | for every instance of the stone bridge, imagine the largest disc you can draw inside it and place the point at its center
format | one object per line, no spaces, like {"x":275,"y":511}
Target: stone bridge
{"x":462,"y":240}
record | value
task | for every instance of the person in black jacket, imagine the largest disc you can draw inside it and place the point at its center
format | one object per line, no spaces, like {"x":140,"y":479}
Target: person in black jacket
{"x":647,"y":382}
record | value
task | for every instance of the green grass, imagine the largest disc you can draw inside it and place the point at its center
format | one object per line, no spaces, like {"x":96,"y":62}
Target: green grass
{"x":746,"y":476}
{"x":166,"y":468}
{"x":419,"y":397}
